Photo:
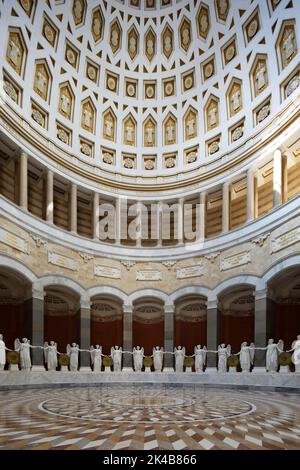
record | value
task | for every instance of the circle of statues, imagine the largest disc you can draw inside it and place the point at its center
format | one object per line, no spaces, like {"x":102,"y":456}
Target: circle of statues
{"x":246,"y":356}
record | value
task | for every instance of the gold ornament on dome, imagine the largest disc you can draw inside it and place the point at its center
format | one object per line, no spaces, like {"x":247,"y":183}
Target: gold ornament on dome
{"x":65,"y":102}
{"x":38,"y":117}
{"x":133,"y":41}
{"x":230,"y":53}
{"x":167,"y":41}
{"x":212,"y":115}
{"x":185,"y":35}
{"x":41,"y":81}
{"x":78,"y":11}
{"x":108,"y":158}
{"x":27,"y":6}
{"x":191,"y":157}
{"x":235,"y":99}
{"x":149,"y":133}
{"x":170,"y":162}
{"x":109,"y":126}
{"x":49,"y":33}
{"x":86,"y":149}
{"x":288,"y":45}
{"x":15,"y":52}
{"x":203,"y":22}
{"x":128,"y":163}
{"x":62,"y":135}
{"x":135,"y":3}
{"x":88,"y":116}
{"x":97,"y":25}
{"x":10,"y":91}
{"x":222,"y":9}
{"x":188,"y":82}
{"x":150,"y":44}
{"x":150,"y":3}
{"x":252,"y":28}
{"x":214,"y":147}
{"x":111,"y":83}
{"x":260,"y":76}
{"x":92,"y":73}
{"x":263,"y":113}
{"x":115,"y":36}
{"x":150,"y":91}
{"x":237,"y":133}
{"x":131,"y":90}
{"x":170,"y":131}
{"x":71,"y":56}
{"x":208,"y":70}
{"x":149,"y":165}
{"x":169,"y":88}
{"x":129,"y":136}
{"x":190,"y":125}
{"x":292,"y":85}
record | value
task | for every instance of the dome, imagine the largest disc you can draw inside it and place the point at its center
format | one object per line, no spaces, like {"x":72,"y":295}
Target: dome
{"x":154,"y":93}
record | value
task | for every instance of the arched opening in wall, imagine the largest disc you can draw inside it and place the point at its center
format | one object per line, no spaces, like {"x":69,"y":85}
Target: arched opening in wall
{"x":190,"y":322}
{"x":148,"y":324}
{"x":106,"y":322}
{"x":15,"y":306}
{"x":236,"y":316}
{"x":61,"y":316}
{"x":285,"y":294}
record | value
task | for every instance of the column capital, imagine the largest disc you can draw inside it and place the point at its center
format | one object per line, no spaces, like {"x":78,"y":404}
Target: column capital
{"x":85,"y":302}
{"x":37,"y":292}
{"x":128,"y":309}
{"x":169,"y":308}
{"x":212,"y":304}
{"x":261,"y":294}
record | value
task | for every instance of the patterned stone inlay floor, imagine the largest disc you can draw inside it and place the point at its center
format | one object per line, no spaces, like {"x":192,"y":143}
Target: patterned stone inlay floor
{"x":115,"y":417}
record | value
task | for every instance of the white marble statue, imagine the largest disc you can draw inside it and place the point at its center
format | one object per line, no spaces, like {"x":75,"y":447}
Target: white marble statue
{"x":116,"y":355}
{"x":246,"y":356}
{"x":50,"y":353}
{"x":296,"y":353}
{"x":3,"y":348}
{"x":96,"y":357}
{"x":73,"y":352}
{"x":200,"y":357}
{"x":24,"y":349}
{"x":223,"y":354}
{"x":273,"y":351}
{"x":138,"y":355}
{"x":158,"y":355}
{"x":179,"y":358}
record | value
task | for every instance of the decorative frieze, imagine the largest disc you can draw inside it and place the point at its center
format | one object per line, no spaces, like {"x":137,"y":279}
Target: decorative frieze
{"x":62,"y":261}
{"x":38,"y":240}
{"x":260,"y":241}
{"x":107,"y":271}
{"x":287,"y":239}
{"x":211,"y":257}
{"x":148,"y":275}
{"x":190,"y":271}
{"x":86,"y":257}
{"x":14,"y":241}
{"x":128,"y":264}
{"x":168,"y":264}
{"x":233,"y":261}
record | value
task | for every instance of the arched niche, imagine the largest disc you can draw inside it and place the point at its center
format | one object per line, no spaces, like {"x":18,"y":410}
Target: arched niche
{"x":106,"y":322}
{"x":190,"y":322}
{"x":148,"y":323}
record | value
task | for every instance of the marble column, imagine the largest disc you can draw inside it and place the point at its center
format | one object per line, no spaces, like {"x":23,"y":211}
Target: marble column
{"x":49,"y":197}
{"x":250,"y":194}
{"x":201,"y":215}
{"x":96,"y":216}
{"x":73,"y":208}
{"x":180,"y":221}
{"x":212,"y":331}
{"x":284,"y":179}
{"x":34,"y":308}
{"x":140,"y":222}
{"x":127,"y":335}
{"x":85,"y":332}
{"x":261,"y":326}
{"x":225,"y":207}
{"x":159,"y":231}
{"x":169,"y":336}
{"x":24,"y":180}
{"x":118,"y":206}
{"x":277,"y":178}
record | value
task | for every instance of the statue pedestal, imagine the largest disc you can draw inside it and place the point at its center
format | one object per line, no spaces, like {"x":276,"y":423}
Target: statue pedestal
{"x":2,"y":368}
{"x":13,"y":367}
{"x":189,"y":369}
{"x":127,"y":369}
{"x":85,"y":369}
{"x":64,"y":368}
{"x":297,"y":368}
{"x":284,"y":369}
{"x":232,"y":370}
{"x":38,"y":369}
{"x":168,"y":369}
{"x":259,"y":370}
{"x":107,"y":369}
{"x":147,"y":369}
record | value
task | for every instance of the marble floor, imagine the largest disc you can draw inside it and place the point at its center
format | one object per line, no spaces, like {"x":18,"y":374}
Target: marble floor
{"x":115,"y":417}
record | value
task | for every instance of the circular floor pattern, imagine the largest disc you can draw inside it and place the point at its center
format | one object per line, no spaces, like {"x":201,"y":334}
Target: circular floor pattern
{"x":112,"y":417}
{"x":143,"y":405}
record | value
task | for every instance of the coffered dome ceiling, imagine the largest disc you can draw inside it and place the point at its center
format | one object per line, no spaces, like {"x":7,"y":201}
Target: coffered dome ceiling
{"x":148,"y":87}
